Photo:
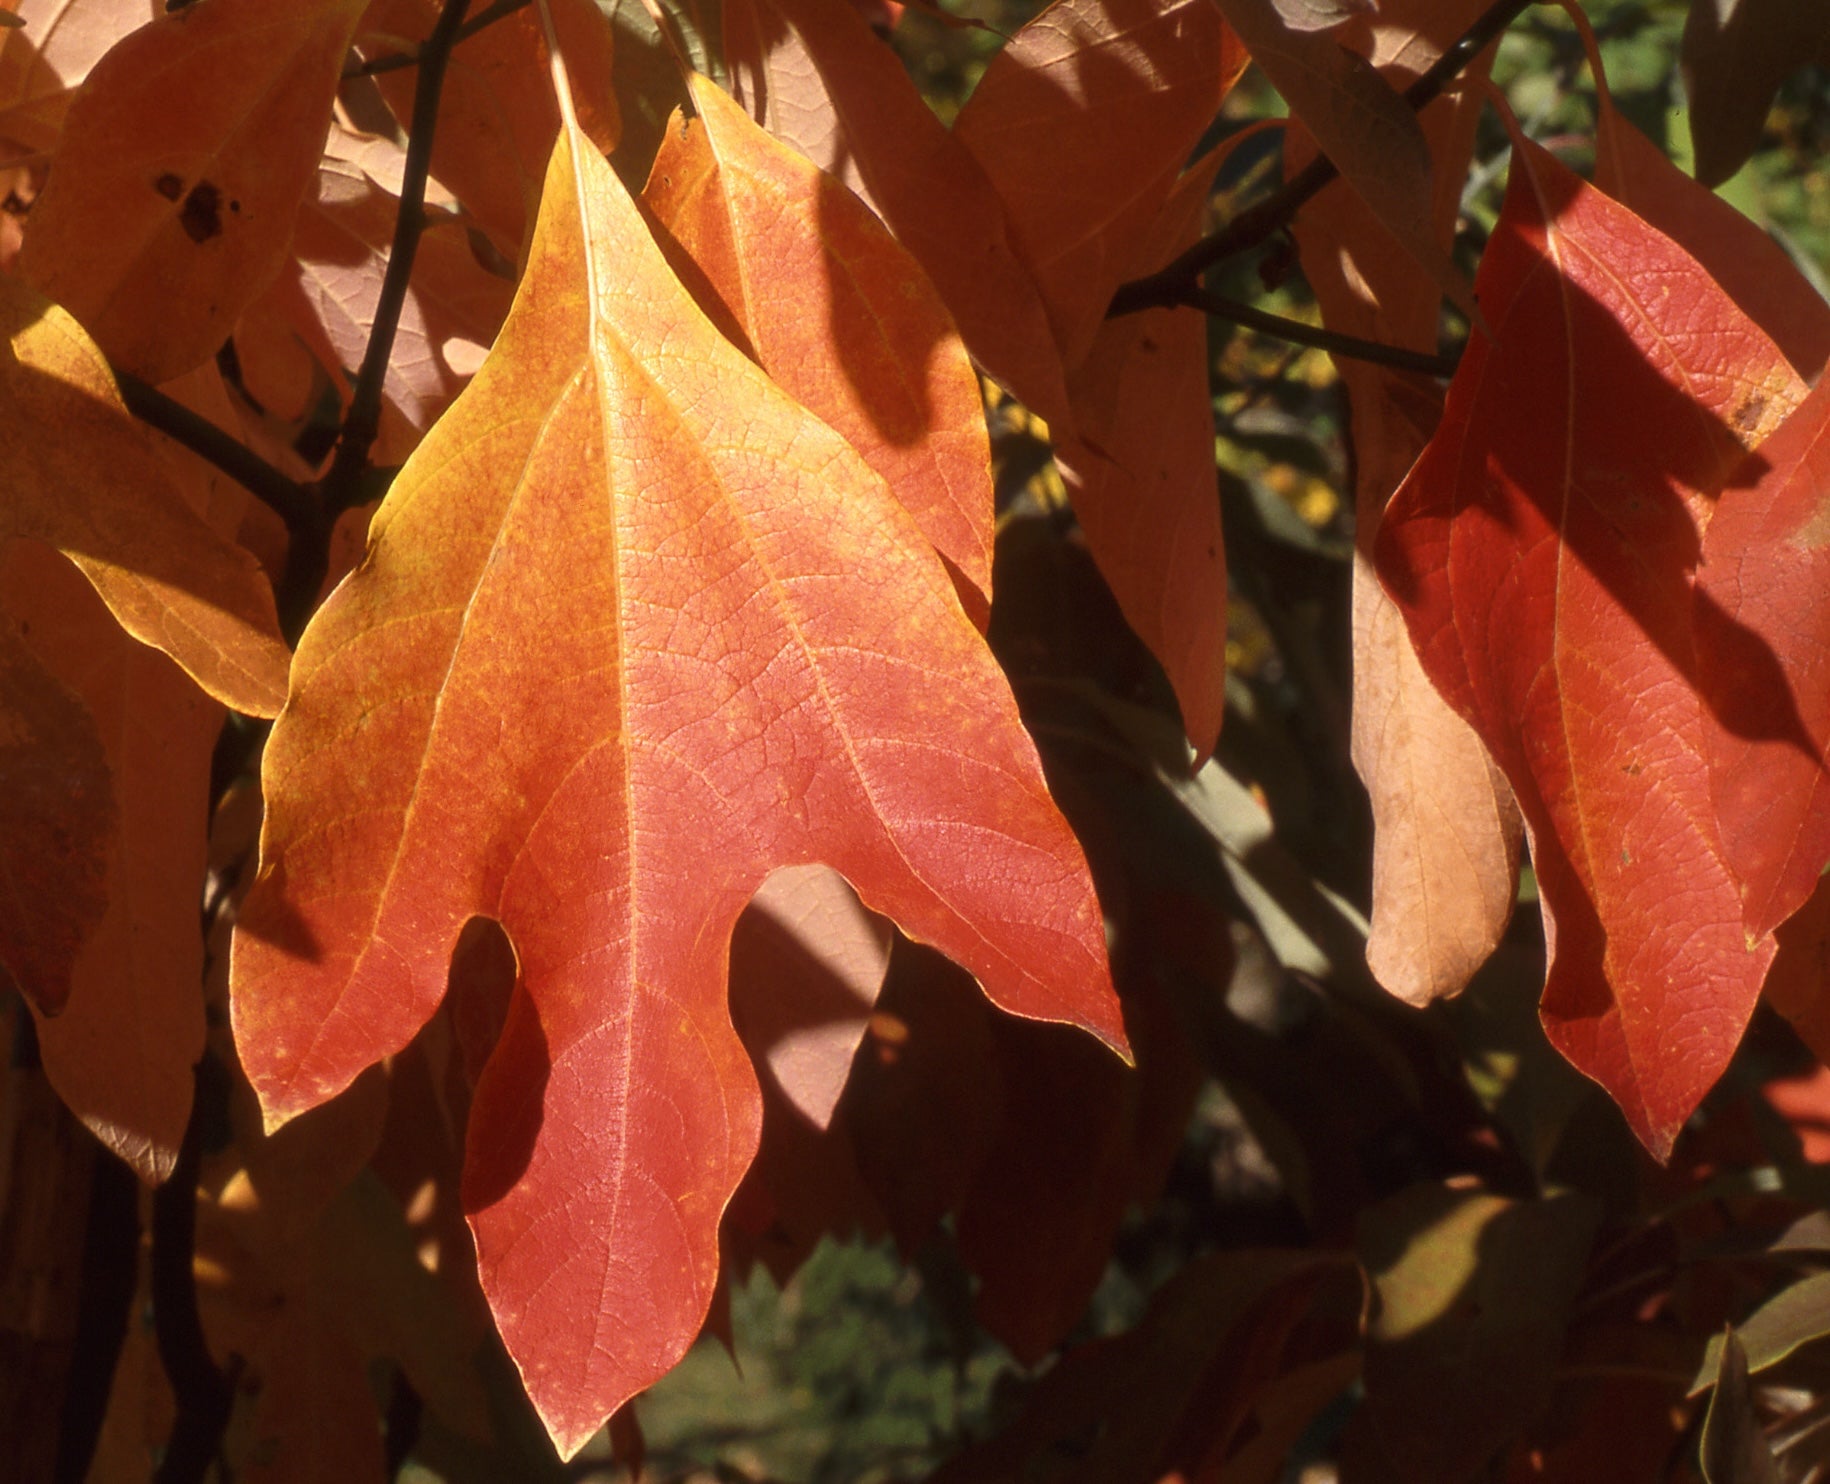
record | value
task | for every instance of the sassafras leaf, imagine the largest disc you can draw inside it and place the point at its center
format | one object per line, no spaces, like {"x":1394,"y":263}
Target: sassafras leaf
{"x":633,"y":629}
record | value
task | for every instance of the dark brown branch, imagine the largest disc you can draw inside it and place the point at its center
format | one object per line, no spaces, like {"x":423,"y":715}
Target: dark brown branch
{"x":1299,"y":333}
{"x":287,"y":497}
{"x":363,"y":420}
{"x":398,"y":61}
{"x":1176,"y":283}
{"x":205,"y":1394}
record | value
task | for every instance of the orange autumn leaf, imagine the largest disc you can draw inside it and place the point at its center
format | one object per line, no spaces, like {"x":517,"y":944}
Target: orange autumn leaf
{"x":831,"y":89}
{"x":1138,"y":462}
{"x":837,"y":312}
{"x":762,"y":663}
{"x":83,"y":479}
{"x":120,"y":1052}
{"x":179,"y":175}
{"x":1542,"y":550}
{"x":1083,"y":124}
{"x":58,"y":821}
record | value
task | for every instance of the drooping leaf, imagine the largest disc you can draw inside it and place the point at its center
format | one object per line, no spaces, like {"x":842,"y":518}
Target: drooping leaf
{"x":857,"y":115}
{"x":1765,"y":555}
{"x":1745,"y":260}
{"x":1542,"y":551}
{"x":1736,"y":53}
{"x":634,"y":609}
{"x":1797,"y":1315}
{"x":58,"y":821}
{"x":179,"y":174}
{"x":1733,"y":1448}
{"x":497,"y":119}
{"x":121,"y":1050}
{"x":1079,"y":1141}
{"x":837,"y":312}
{"x":1361,"y":124}
{"x":1473,"y":1293}
{"x":1139,"y":467}
{"x":82,"y":478}
{"x":1083,"y":124}
{"x":1446,"y":830}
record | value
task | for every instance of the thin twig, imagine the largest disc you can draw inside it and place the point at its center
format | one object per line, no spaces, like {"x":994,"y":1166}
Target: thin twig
{"x":363,"y":419}
{"x":1298,"y":333}
{"x":399,"y":61}
{"x":289,"y":499}
{"x":1180,"y":280}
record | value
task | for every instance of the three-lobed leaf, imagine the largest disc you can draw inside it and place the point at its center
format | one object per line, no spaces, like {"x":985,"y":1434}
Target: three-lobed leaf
{"x":633,"y":629}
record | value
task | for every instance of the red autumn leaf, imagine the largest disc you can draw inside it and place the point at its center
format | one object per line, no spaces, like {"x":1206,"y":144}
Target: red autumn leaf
{"x":855,"y":113}
{"x":1139,"y":467}
{"x":1542,"y":551}
{"x":1082,"y":124}
{"x":1750,"y":266}
{"x":83,"y":479}
{"x":1761,"y":627}
{"x":1080,"y":1139}
{"x":623,"y":507}
{"x":58,"y":821}
{"x":924,"y":1096}
{"x":179,"y":174}
{"x":837,"y":312}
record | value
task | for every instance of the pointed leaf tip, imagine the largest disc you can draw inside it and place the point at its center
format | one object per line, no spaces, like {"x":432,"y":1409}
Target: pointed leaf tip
{"x":1542,"y":550}
{"x":633,"y":629}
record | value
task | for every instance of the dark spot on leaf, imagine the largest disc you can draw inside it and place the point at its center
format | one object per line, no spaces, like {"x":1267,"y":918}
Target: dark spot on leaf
{"x":235,"y":206}
{"x":1747,"y":415}
{"x":169,"y":186}
{"x":202,"y":212}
